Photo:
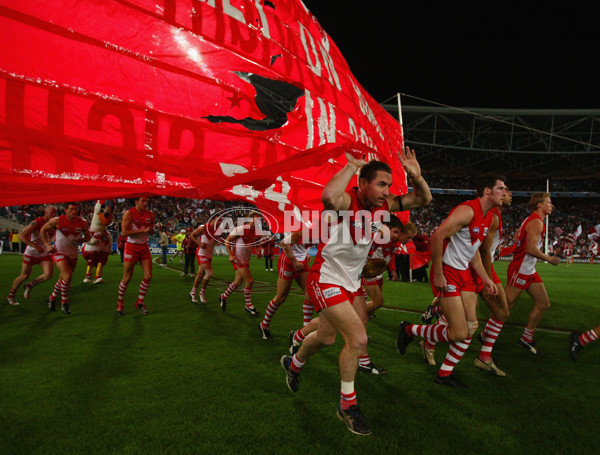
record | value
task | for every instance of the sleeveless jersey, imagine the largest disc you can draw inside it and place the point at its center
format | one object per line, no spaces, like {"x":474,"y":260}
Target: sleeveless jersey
{"x":36,"y":238}
{"x":341,"y":257}
{"x":68,"y":235}
{"x":242,"y":248}
{"x":526,"y":262}
{"x":462,"y":246}
{"x":209,"y":238}
{"x":140,"y":220}
{"x":498,"y":233}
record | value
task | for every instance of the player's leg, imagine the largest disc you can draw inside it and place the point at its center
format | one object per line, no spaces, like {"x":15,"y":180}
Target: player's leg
{"x":538,"y":293}
{"x":578,"y":340}
{"x":460,"y":313}
{"x":65,"y":268}
{"x":47,"y":272}
{"x":500,"y":312}
{"x":146,"y":264}
{"x":128,"y":267}
{"x":283,"y":290}
{"x":26,"y":269}
{"x":248,"y":284}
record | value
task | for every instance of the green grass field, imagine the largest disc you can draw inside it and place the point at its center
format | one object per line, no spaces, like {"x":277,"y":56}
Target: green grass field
{"x":189,"y":378}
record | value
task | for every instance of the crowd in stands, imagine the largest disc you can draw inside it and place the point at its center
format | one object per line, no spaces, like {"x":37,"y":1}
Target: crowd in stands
{"x":175,"y":214}
{"x":530,"y":184}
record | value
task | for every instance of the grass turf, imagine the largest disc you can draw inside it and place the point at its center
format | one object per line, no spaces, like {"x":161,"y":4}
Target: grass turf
{"x":189,"y":378}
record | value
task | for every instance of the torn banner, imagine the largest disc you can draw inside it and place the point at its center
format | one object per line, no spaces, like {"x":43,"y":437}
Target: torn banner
{"x":188,"y":98}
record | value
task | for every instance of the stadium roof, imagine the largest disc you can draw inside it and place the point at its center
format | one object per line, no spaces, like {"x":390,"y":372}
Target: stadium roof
{"x":520,"y":143}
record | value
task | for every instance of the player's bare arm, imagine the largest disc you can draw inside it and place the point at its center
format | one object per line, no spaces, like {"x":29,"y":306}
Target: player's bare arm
{"x":196,"y":233}
{"x":286,"y":246}
{"x":486,"y":246}
{"x":477,"y":265}
{"x":421,"y":195}
{"x":334,"y":196}
{"x":45,"y":233}
{"x":534,"y":231}
{"x":459,"y":218}
{"x":25,"y":237}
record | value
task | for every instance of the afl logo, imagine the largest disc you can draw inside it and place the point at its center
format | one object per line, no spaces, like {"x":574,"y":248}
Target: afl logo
{"x":476,"y":230}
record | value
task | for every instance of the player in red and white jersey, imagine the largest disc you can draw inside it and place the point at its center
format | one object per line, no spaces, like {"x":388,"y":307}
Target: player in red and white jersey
{"x":291,"y":265}
{"x":96,"y":255}
{"x":71,"y":230}
{"x":334,"y":279}
{"x":209,"y":234}
{"x":35,"y":253}
{"x":137,"y":225}
{"x":239,"y":244}
{"x":497,"y":304}
{"x":454,"y":250}
{"x":521,"y":272}
{"x":399,"y":234}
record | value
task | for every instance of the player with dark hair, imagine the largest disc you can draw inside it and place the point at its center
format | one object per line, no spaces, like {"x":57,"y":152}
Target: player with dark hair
{"x":334,"y":279}
{"x":454,"y":252}
{"x":137,"y":225}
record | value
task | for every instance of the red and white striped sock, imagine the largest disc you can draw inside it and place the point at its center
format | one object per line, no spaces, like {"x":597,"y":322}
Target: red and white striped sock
{"x":296,"y":365}
{"x":347,"y":395}
{"x":307,"y":310}
{"x":193,"y":291}
{"x":435,"y":332}
{"x":248,"y":297}
{"x":489,"y":336}
{"x":232,"y":287}
{"x":364,"y":360}
{"x":299,"y":336}
{"x":455,"y":353}
{"x":122,"y":290}
{"x":527,"y":335}
{"x":57,"y":290}
{"x":66,"y":288}
{"x":12,"y":294}
{"x":144,"y":285}
{"x":587,"y":337}
{"x":271,"y":310}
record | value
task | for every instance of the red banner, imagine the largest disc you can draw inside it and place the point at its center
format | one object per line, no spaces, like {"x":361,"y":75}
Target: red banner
{"x":238,"y":98}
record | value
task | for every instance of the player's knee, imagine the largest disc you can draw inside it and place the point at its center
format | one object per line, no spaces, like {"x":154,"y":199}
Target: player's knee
{"x":471,"y":328}
{"x":358,"y":342}
{"x":455,"y":335}
{"x":249,"y":283}
{"x":327,"y":340}
{"x":544,"y":305}
{"x":502,"y":314}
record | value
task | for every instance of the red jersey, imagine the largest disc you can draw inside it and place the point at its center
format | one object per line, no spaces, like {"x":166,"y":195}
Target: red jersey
{"x":462,"y":246}
{"x":36,"y":238}
{"x":68,"y":235}
{"x":140,"y":220}
{"x":525,"y":261}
